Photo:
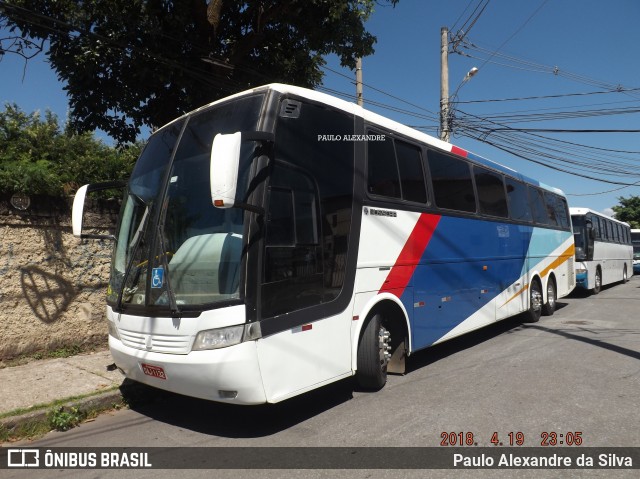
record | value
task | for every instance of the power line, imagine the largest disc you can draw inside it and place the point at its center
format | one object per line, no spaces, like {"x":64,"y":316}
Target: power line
{"x":563,"y":95}
{"x":382,"y":92}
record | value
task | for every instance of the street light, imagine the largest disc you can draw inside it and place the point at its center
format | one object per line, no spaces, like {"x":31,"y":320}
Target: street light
{"x":446,"y":107}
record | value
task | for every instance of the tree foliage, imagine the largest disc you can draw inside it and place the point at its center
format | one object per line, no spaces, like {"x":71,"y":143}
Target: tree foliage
{"x":628,"y":210}
{"x":38,"y":157}
{"x":129,"y":63}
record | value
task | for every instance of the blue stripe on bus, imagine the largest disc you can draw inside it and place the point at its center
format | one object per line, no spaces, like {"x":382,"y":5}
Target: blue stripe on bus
{"x":452,"y":286}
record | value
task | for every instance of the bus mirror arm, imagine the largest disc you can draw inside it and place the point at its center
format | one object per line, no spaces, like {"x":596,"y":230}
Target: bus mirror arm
{"x":225,"y":164}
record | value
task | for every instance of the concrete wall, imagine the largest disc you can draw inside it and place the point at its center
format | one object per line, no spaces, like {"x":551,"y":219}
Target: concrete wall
{"x":52,"y":285}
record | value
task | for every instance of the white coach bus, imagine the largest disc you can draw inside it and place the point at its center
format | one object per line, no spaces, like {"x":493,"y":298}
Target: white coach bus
{"x":282,"y":239}
{"x":604,"y":252}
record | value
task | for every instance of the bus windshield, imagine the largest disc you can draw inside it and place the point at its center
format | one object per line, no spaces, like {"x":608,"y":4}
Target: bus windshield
{"x":580,"y":236}
{"x":175,"y":250}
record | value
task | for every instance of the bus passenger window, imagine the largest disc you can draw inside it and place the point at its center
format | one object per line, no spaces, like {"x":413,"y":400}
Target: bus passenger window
{"x":383,"y":176}
{"x":491,"y":196}
{"x":540,"y":213}
{"x":562,"y":212}
{"x":411,"y":172}
{"x":518,"y":201}
{"x":452,"y":184}
{"x":550,"y":202}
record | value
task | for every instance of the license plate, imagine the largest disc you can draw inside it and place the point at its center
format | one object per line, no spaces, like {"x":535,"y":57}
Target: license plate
{"x":153,"y":371}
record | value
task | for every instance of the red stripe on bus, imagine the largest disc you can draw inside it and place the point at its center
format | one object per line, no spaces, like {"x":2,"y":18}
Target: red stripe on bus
{"x":459,"y":151}
{"x":406,"y":263}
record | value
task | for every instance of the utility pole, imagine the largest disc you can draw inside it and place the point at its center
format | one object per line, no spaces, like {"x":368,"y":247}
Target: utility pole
{"x":444,"y":84}
{"x":359,"y":81}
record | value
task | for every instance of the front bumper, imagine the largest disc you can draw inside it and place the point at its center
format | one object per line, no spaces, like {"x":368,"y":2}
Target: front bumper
{"x":211,"y":375}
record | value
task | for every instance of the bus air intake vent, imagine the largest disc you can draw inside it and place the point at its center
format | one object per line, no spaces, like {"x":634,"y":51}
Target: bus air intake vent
{"x":290,"y":109}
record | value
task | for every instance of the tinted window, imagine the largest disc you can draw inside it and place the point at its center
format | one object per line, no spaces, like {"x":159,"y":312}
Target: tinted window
{"x":562,"y":212}
{"x":491,"y":196}
{"x":618,"y":229}
{"x":539,"y":206}
{"x":595,"y":221}
{"x":518,"y":201}
{"x":383,"y":176}
{"x":452,"y":184}
{"x":610,"y":235}
{"x":310,"y":200}
{"x":411,"y":172}
{"x":550,"y":203}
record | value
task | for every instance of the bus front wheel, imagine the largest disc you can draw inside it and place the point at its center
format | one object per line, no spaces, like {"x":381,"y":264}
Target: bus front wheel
{"x":598,"y":283}
{"x":373,"y":355}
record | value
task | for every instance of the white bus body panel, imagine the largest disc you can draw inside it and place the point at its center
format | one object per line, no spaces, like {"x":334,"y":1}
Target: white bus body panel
{"x":305,"y":357}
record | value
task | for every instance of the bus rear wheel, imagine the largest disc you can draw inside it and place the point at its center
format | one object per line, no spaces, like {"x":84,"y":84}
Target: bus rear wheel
{"x":373,"y":355}
{"x":535,"y":302}
{"x":625,"y":276}
{"x":550,"y":306}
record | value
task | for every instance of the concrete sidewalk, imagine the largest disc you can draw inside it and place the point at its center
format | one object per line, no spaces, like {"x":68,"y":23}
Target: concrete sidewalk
{"x":77,"y":380}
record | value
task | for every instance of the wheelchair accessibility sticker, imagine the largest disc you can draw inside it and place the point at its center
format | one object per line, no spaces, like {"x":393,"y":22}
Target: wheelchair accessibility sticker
{"x":157,"y":277}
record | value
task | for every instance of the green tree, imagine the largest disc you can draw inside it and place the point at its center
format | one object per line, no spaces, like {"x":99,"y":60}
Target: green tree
{"x":129,"y":63}
{"x":628,"y":210}
{"x":37,"y":157}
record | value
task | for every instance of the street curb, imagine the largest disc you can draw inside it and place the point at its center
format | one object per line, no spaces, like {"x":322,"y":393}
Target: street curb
{"x":100,"y":401}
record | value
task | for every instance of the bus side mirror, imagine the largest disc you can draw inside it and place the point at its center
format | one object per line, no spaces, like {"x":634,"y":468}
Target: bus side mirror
{"x":225,"y":165}
{"x":77,"y":212}
{"x":225,"y":162}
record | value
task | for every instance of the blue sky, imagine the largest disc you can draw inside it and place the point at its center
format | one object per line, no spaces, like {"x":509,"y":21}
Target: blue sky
{"x":593,"y":44}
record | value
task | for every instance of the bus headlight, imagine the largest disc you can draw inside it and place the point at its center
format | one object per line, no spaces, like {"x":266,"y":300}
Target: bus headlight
{"x":218,"y":338}
{"x":225,"y":337}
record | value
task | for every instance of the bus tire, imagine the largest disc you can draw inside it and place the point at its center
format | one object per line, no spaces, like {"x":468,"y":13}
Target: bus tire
{"x":552,"y":295}
{"x":625,"y":275}
{"x":535,"y":302}
{"x":373,"y":355}
{"x":598,"y":284}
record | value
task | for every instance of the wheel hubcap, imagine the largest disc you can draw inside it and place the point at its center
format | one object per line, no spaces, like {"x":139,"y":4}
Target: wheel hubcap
{"x":384,"y":342}
{"x":551,"y":295}
{"x":536,"y":300}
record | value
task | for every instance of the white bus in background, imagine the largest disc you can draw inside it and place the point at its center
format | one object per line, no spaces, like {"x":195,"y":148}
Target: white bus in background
{"x":603,"y":249}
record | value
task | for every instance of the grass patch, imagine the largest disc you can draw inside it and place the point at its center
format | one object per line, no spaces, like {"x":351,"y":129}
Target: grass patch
{"x":64,"y":418}
{"x":59,"y":416}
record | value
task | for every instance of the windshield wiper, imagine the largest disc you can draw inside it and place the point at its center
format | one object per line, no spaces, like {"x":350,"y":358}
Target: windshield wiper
{"x":172,"y":298}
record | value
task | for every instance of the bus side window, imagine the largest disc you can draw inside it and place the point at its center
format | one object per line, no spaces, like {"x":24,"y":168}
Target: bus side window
{"x":491,"y":196}
{"x":596,"y":227}
{"x":540,"y":214}
{"x":383,"y":177}
{"x":562,"y":212}
{"x":411,"y":172}
{"x":519,"y":205}
{"x":610,"y":236}
{"x":452,"y":183}
{"x":550,"y":201}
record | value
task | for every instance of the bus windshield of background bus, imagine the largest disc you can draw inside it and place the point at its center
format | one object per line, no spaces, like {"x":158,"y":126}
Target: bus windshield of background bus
{"x":174,"y":247}
{"x":580,"y":236}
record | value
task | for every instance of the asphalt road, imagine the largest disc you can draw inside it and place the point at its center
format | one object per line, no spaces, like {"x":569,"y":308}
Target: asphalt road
{"x":577,"y":371}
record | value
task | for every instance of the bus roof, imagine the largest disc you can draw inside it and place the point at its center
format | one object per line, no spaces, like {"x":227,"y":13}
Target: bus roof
{"x":584,"y":211}
{"x":382,"y":121}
